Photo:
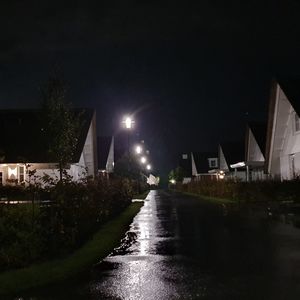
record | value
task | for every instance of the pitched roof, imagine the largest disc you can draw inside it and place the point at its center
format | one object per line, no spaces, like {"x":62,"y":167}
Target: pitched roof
{"x":23,"y":138}
{"x":201,"y":161}
{"x":186,"y":163}
{"x":103,"y":146}
{"x":259,"y":131}
{"x":234,"y":152}
{"x":291,"y":88}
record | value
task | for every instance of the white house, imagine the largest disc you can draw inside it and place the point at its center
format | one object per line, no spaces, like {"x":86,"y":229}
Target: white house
{"x":255,"y":144}
{"x":106,"y":158}
{"x":202,"y":165}
{"x":283,"y":133}
{"x":23,"y":147}
{"x":232,"y":160}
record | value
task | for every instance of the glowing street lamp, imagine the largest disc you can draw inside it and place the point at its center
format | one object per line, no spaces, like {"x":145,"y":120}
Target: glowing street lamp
{"x":148,"y":167}
{"x":128,"y":122}
{"x":143,"y":159}
{"x":138,"y":149}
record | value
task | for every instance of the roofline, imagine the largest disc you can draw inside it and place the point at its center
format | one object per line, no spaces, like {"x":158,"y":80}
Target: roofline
{"x":272,"y":119}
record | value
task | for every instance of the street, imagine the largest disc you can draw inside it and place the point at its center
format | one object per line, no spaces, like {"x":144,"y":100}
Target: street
{"x":180,"y":247}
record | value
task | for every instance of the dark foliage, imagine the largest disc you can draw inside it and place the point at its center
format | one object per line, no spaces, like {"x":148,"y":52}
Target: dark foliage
{"x":262,"y":191}
{"x":36,"y":231}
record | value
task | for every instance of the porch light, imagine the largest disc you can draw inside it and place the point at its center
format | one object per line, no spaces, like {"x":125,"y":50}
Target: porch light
{"x":221,"y":175}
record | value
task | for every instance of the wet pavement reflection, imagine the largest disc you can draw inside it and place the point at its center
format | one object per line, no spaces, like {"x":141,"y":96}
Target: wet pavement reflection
{"x":179,"y":247}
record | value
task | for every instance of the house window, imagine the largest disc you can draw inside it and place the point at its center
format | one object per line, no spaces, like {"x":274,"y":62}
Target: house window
{"x":297,"y":123}
{"x":21,"y":174}
{"x":184,"y":156}
{"x":212,"y":162}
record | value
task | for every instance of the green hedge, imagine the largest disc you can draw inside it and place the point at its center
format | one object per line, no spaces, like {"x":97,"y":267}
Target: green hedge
{"x":262,"y":191}
{"x":97,"y":248}
{"x":34,"y":232}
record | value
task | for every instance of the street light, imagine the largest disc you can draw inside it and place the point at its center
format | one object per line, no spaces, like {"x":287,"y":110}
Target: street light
{"x":128,"y":122}
{"x":143,"y":159}
{"x":138,"y":149}
{"x":148,"y":167}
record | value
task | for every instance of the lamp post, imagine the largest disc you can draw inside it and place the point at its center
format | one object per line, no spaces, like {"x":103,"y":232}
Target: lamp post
{"x":128,"y":123}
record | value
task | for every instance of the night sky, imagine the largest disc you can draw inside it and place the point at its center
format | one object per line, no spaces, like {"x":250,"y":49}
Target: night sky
{"x":194,"y":73}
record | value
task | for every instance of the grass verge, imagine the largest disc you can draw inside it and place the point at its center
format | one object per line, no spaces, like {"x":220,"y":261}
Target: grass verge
{"x":102,"y":243}
{"x":211,"y":199}
{"x":141,"y":196}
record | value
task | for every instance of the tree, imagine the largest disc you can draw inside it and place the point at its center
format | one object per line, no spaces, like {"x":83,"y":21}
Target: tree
{"x":178,"y":174}
{"x":61,"y":125}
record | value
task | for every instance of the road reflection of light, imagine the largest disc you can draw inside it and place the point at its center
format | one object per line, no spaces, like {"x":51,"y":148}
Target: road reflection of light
{"x":139,"y":273}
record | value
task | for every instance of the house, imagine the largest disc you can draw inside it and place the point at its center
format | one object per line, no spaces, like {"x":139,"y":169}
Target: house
{"x":202,"y":165}
{"x":283,"y":131}
{"x":185,"y":163}
{"x":105,"y":151}
{"x":23,"y":147}
{"x":231,"y":157}
{"x":255,"y":145}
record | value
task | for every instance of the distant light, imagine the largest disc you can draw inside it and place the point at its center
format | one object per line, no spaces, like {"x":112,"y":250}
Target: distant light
{"x":221,"y":174}
{"x":173,"y":181}
{"x":143,"y":159}
{"x":138,"y":149}
{"x":128,"y":122}
{"x":148,"y":167}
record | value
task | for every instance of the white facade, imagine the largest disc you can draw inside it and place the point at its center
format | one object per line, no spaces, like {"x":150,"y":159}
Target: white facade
{"x":284,"y":157}
{"x":225,"y":167}
{"x":255,"y":159}
{"x":111,"y":157}
{"x":18,"y":173}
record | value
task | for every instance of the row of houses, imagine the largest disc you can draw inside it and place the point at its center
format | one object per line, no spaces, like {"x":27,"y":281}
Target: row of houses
{"x":270,"y":149}
{"x":23,"y":148}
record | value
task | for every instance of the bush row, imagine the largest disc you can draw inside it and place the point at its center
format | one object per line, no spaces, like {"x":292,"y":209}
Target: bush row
{"x":261,"y":191}
{"x":37,"y":231}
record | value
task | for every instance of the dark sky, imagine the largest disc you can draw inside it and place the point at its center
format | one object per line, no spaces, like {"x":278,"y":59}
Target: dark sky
{"x":194,"y":71}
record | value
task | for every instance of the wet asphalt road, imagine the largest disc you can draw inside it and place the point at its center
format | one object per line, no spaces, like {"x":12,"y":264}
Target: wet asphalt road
{"x":179,"y":247}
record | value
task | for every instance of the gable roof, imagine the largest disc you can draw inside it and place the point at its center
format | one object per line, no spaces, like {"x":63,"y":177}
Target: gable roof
{"x":185,"y":163}
{"x":103,"y":147}
{"x":234,"y":152}
{"x":23,"y":138}
{"x":259,"y":130}
{"x":201,"y":161}
{"x":291,"y":88}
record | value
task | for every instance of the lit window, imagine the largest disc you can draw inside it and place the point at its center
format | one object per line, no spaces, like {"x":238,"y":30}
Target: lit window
{"x":297,"y":123}
{"x":21,"y":174}
{"x":184,"y":156}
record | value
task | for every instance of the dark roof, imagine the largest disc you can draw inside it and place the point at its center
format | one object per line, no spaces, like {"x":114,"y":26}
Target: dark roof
{"x":186,"y":164}
{"x":259,"y":131}
{"x":234,"y":152}
{"x":103,"y":146}
{"x":23,"y":139}
{"x":291,"y":88}
{"x":201,"y":161}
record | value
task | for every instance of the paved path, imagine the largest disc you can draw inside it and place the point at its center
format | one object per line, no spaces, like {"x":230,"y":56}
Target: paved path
{"x":179,"y":247}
